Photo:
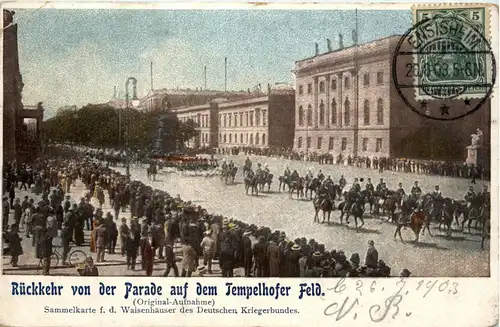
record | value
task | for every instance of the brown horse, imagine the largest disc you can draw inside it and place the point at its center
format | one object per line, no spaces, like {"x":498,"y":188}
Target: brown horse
{"x":418,"y":220}
{"x":326,"y":205}
{"x":297,"y":185}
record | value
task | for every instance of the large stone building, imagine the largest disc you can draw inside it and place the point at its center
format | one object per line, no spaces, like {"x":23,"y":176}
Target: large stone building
{"x":243,"y":119}
{"x":263,"y":121}
{"x":19,"y":141}
{"x":346,"y":103}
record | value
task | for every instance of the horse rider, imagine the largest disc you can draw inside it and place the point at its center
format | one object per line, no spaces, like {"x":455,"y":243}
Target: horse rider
{"x":294,"y":176}
{"x":266,"y":169}
{"x":250,"y":174}
{"x":224,"y":165}
{"x":485,"y":197}
{"x":470,"y":196}
{"x":369,"y":186}
{"x":248,"y":163}
{"x":258,"y":171}
{"x":342,"y":182}
{"x":320,"y":175}
{"x":356,"y":185}
{"x":400,"y":191}
{"x":436,"y":194}
{"x":287,"y":172}
{"x":309,"y":175}
{"x":437,"y":203}
{"x":380,"y":185}
{"x":328,"y":182}
{"x":407,"y":208}
{"x":416,"y":191}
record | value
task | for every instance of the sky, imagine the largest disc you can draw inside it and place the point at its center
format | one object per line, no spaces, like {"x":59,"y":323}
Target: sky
{"x":76,"y":57}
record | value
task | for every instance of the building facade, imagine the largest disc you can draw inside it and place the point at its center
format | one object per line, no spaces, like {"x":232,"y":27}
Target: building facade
{"x":346,"y":102}
{"x":205,"y":118}
{"x":265,"y":121}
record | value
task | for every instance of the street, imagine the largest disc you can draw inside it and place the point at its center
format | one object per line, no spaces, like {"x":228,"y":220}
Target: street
{"x":434,"y":256}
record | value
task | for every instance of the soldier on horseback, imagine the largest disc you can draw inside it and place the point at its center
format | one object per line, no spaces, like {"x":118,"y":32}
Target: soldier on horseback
{"x":416,"y":191}
{"x":224,"y":165}
{"x":342,"y":182}
{"x":380,"y":185}
{"x":400,"y":191}
{"x":437,"y":203}
{"x":470,"y":196}
{"x":369,"y":186}
{"x":309,"y":175}
{"x":258,"y":171}
{"x":320,"y":175}
{"x":328,"y":182}
{"x":294,"y":176}
{"x":286,"y":173}
{"x":266,"y":169}
{"x":231,"y":164}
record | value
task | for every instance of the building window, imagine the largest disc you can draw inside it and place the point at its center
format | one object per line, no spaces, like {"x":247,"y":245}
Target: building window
{"x":246,"y":138}
{"x":241,"y":137}
{"x":320,"y":142}
{"x":225,"y":139}
{"x":220,"y":137}
{"x":347,"y":82}
{"x":263,"y":138}
{"x":264,"y":117}
{"x":225,"y":120}
{"x":365,"y":144}
{"x":366,"y":79}
{"x":301,"y":89}
{"x":321,"y":113}
{"x":251,"y":138}
{"x":309,"y":88}
{"x":366,"y":119}
{"x":299,"y":142}
{"x":308,"y":142}
{"x":257,"y":139}
{"x":380,"y":112}
{"x":321,"y":87}
{"x":235,"y":119}
{"x":380,"y":77}
{"x":347,"y":112}
{"x":251,"y":118}
{"x":344,"y":143}
{"x":235,"y":138}
{"x":257,"y":117}
{"x":330,"y":143}
{"x":309,"y":116}
{"x":301,"y":116}
{"x":230,"y":138}
{"x":334,"y":112}
{"x":246,"y":118}
{"x":230,"y":120}
{"x":334,"y":84}
{"x":241,"y":119}
{"x":378,"y":146}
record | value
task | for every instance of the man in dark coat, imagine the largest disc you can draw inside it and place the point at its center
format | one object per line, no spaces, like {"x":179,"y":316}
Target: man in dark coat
{"x":259,"y":252}
{"x":226,"y":260}
{"x":247,"y":253}
{"x":273,"y":257}
{"x":371,"y":259}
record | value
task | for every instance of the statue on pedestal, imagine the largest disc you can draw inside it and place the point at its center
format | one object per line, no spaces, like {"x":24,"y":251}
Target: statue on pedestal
{"x":476,"y":139}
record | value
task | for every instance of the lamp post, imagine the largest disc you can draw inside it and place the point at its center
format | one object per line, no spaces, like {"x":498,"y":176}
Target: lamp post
{"x":127,"y":118}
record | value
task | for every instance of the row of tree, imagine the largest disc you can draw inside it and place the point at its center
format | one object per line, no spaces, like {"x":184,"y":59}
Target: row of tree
{"x":99,"y":125}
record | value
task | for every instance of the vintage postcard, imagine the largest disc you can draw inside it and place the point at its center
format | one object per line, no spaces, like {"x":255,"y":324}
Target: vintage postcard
{"x":249,"y":164}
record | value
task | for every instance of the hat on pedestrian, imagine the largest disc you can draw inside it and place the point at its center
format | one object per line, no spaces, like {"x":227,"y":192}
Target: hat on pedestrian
{"x":295,"y":247}
{"x":202,"y":269}
{"x":405,"y":273}
{"x":317,"y":254}
{"x":247,"y":233}
{"x":370,"y":242}
{"x":124,"y":220}
{"x":208,"y":232}
{"x":361,"y":179}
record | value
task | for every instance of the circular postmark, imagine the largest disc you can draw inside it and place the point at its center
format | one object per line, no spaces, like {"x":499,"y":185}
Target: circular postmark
{"x":443,"y":67}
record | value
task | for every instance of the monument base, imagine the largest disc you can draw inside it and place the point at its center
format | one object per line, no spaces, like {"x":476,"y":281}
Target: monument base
{"x":472,"y":156}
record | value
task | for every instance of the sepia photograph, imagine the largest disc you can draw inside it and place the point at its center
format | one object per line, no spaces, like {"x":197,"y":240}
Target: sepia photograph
{"x":248,"y":143}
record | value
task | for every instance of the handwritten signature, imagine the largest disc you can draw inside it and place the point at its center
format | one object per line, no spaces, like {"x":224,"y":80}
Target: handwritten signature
{"x":346,"y":306}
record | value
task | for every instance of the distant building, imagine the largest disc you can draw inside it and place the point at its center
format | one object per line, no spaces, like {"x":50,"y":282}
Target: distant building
{"x":264,"y":121}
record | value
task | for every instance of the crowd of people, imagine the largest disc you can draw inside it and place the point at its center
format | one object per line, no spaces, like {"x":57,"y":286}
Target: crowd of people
{"x":159,"y":221}
{"x":428,"y":167}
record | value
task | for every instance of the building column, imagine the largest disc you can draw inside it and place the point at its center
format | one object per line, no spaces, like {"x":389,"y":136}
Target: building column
{"x":340,"y":103}
{"x":355,"y":111}
{"x":315,"y":104}
{"x":328,"y":101}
